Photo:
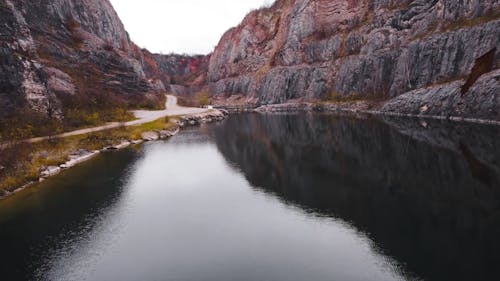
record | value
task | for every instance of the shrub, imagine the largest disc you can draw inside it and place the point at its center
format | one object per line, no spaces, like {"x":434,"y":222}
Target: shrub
{"x":337,"y":97}
{"x":74,"y":118}
{"x":334,"y":96}
{"x":28,"y":124}
{"x":353,"y":97}
{"x":73,"y":26}
{"x":119,"y":115}
{"x":91,"y":118}
{"x":203,"y":99}
{"x":185,"y":101}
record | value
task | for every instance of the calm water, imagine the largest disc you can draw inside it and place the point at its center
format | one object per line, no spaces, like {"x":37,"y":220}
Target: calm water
{"x":283,"y":197}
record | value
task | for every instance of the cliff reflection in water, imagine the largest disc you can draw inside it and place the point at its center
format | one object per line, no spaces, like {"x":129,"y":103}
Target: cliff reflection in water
{"x":427,"y":194}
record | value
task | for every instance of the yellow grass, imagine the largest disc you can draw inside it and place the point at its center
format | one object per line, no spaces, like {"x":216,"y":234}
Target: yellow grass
{"x":28,"y":159}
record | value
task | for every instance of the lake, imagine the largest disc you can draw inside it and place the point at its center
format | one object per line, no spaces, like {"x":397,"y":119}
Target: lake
{"x":270,"y":197}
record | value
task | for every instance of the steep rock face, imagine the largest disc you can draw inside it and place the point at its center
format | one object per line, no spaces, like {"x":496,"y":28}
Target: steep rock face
{"x":22,"y":80}
{"x":181,"y":65}
{"x":481,"y":101}
{"x":62,"y":54}
{"x":188,"y":73}
{"x":181,"y":74}
{"x":376,"y":49}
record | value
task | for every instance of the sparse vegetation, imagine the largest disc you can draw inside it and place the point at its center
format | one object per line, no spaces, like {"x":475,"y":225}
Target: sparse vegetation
{"x":337,"y":97}
{"x":186,"y":101}
{"x":452,"y":26}
{"x":108,"y":47}
{"x":97,"y":100}
{"x":73,"y":26}
{"x":29,"y":124}
{"x":156,"y":103}
{"x":203,"y":98}
{"x":22,"y":163}
{"x":458,"y":24}
{"x":200,"y":99}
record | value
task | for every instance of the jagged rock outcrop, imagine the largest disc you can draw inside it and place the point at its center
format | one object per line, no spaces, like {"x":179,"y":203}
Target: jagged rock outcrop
{"x":22,"y":80}
{"x":375,"y":49}
{"x":481,"y":101}
{"x":182,"y":67}
{"x":62,"y":54}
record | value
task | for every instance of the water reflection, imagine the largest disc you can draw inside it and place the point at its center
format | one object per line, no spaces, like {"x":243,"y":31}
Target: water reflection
{"x":50,"y":221}
{"x":427,"y":193}
{"x":280,"y":197}
{"x":190,"y":217}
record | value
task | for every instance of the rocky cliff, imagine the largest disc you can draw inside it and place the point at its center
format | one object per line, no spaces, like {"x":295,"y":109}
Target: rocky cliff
{"x":417,"y":56}
{"x":424,"y":57}
{"x":63,"y":55}
{"x":181,"y":74}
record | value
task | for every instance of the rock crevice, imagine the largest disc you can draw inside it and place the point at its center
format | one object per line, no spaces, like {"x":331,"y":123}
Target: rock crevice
{"x":374,"y":49}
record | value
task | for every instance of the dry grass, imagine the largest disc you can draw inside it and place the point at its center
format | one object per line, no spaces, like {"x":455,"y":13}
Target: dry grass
{"x":453,"y":26}
{"x":200,"y":99}
{"x":334,"y":97}
{"x":22,"y":162}
{"x":28,"y":124}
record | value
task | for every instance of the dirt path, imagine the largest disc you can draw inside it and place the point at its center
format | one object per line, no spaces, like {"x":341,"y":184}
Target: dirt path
{"x":143,"y":116}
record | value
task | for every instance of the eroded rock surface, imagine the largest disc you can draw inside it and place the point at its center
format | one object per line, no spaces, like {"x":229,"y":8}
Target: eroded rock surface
{"x":375,"y":49}
{"x":66,"y":54}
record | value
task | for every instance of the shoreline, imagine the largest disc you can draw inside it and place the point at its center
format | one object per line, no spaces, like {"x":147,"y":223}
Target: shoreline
{"x":349,"y":108}
{"x":220,"y":113}
{"x":142,"y":117}
{"x":83,"y":156}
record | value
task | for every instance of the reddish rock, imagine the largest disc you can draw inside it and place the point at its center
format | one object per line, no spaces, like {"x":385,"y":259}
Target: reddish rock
{"x":375,"y":49}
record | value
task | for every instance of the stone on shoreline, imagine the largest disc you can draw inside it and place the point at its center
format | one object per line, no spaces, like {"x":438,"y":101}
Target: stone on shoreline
{"x":360,"y":107}
{"x":203,"y":118}
{"x":150,"y":136}
{"x":81,"y":156}
{"x":122,"y":145}
{"x":168,"y":133}
{"x":50,"y":171}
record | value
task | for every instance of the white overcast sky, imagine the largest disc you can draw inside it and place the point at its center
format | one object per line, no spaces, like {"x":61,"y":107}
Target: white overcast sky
{"x":182,"y":26}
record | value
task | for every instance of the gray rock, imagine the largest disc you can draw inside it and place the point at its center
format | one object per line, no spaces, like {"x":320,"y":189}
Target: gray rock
{"x":42,"y":45}
{"x":481,"y":101}
{"x":377,"y":49}
{"x":150,"y":136}
{"x":284,"y":83}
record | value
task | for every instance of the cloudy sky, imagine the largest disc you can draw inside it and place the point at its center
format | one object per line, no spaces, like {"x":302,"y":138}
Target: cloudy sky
{"x":182,"y":26}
